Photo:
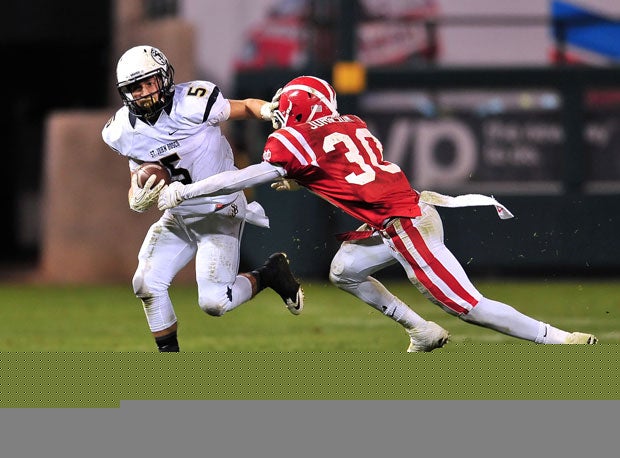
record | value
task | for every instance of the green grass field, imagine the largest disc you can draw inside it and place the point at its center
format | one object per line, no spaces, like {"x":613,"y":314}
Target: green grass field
{"x":89,"y":346}
{"x":109,"y":318}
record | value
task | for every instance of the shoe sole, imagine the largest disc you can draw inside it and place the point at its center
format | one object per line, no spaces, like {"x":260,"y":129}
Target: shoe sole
{"x":296,"y":307}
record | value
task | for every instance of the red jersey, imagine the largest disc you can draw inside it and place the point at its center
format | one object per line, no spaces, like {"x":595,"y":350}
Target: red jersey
{"x":338,"y":159}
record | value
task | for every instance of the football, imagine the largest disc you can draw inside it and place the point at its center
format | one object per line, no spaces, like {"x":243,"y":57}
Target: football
{"x":152,"y":168}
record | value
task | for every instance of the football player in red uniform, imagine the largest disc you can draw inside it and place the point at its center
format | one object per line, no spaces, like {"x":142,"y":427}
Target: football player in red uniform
{"x":336,"y":157}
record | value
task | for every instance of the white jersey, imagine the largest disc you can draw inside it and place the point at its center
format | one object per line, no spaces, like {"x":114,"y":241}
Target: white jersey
{"x":186,"y":138}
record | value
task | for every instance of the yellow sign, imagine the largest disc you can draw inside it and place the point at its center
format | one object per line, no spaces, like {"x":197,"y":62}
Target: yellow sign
{"x":349,"y":77}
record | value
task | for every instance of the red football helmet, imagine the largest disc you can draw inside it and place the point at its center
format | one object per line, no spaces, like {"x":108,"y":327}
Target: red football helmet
{"x":304,"y":99}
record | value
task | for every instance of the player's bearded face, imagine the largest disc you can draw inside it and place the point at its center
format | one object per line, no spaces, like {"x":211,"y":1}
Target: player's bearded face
{"x":146,"y":92}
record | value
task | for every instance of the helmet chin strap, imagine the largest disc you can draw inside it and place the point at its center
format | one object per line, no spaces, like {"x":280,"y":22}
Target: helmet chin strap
{"x":282,"y":116}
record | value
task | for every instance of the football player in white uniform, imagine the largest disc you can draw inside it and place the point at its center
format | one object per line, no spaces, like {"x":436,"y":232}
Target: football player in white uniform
{"x":178,"y":126}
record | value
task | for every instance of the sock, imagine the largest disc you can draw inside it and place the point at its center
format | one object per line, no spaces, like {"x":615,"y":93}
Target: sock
{"x":168,"y":342}
{"x":244,"y":289}
{"x":375,"y":294}
{"x":505,"y":319}
{"x":554,"y":335}
{"x":402,"y":314}
{"x":260,"y":285}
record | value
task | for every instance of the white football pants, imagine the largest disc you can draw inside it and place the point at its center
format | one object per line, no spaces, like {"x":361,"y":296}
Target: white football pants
{"x":172,"y":242}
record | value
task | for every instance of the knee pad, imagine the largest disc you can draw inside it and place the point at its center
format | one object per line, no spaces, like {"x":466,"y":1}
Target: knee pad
{"x":214,"y":301}
{"x":336,"y":270}
{"x":145,"y":285}
{"x":341,"y":273}
{"x":212,"y":308}
{"x":139,"y":285}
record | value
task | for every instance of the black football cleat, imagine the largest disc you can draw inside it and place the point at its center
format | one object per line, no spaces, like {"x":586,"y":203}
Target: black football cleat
{"x":276,"y":274}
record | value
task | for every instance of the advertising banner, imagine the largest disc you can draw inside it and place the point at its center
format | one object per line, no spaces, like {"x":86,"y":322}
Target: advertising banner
{"x":509,"y":142}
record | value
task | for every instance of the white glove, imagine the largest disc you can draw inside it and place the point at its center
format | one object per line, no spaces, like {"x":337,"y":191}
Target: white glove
{"x":285,"y":185}
{"x":171,"y":196}
{"x":266,"y":111}
{"x":142,"y":198}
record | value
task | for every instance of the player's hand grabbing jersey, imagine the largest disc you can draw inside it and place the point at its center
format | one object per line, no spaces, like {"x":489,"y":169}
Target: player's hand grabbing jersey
{"x":339,"y":159}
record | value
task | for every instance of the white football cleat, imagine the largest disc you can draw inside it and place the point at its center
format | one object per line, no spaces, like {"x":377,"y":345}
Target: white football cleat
{"x":427,"y":337}
{"x":579,"y":338}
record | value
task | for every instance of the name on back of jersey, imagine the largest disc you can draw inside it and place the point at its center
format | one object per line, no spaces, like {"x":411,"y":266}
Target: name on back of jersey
{"x":328,"y":120}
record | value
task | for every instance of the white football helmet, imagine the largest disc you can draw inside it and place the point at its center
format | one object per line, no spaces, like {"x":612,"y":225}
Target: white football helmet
{"x":139,"y":63}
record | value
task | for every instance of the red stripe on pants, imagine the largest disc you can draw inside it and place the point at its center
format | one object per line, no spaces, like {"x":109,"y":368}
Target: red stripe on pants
{"x":411,"y":234}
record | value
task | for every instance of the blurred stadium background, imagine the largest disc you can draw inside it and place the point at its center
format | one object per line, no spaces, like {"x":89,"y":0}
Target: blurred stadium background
{"x":516,"y":99}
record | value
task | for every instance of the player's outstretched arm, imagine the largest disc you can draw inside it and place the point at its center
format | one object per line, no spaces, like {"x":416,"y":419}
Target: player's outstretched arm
{"x":251,"y":108}
{"x":255,"y":108}
{"x":220,"y":184}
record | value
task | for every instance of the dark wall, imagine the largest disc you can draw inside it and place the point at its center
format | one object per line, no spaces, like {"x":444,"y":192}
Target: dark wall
{"x":56,"y":57}
{"x":551,"y":236}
